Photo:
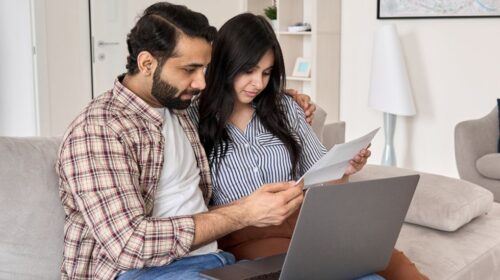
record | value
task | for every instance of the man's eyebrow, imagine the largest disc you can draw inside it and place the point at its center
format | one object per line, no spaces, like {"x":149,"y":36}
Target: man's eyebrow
{"x":194,"y":65}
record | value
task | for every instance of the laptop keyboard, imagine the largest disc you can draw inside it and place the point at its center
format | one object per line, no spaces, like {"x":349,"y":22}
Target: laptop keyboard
{"x":268,"y":276}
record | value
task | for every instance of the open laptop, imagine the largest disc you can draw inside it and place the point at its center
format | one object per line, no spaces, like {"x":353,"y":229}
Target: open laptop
{"x":343,"y":232}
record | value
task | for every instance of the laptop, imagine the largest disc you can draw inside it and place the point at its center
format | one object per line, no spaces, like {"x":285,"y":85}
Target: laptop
{"x":343,"y":232}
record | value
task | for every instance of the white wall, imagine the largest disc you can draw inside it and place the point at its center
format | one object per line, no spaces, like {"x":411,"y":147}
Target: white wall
{"x":45,"y":71}
{"x":17,"y":91}
{"x":217,"y":11}
{"x":454,"y":67}
{"x":64,"y":57}
{"x":63,"y":42}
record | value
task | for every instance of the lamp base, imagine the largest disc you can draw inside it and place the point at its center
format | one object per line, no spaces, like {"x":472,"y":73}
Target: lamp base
{"x":389,"y":155}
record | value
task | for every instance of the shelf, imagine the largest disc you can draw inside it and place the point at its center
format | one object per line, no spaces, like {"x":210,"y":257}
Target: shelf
{"x":305,"y":33}
{"x":304,"y":79}
{"x":320,"y":45}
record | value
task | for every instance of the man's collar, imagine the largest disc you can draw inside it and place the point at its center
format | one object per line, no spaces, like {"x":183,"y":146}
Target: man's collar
{"x":135,"y":103}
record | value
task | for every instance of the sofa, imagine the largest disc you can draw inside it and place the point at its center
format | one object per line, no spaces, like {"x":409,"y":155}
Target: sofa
{"x":476,"y":151}
{"x":467,"y":246}
{"x":32,"y":217}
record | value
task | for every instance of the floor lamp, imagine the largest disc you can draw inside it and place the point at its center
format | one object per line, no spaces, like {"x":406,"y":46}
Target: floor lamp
{"x":390,"y":89}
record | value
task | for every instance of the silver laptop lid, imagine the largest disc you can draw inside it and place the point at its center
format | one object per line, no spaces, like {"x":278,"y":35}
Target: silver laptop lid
{"x":346,"y":231}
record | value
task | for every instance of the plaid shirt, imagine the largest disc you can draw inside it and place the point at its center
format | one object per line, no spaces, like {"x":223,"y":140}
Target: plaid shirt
{"x":109,"y":166}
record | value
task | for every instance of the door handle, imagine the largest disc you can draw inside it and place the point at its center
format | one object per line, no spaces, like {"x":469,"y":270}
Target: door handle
{"x":104,"y":44}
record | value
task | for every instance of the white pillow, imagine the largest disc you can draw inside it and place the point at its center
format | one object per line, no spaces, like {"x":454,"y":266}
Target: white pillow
{"x":489,"y":166}
{"x":439,"y":202}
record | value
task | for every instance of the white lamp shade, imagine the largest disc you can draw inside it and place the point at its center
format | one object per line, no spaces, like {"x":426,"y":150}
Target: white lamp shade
{"x":390,"y":89}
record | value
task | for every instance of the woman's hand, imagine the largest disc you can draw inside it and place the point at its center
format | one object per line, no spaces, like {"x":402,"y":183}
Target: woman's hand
{"x":358,"y":161}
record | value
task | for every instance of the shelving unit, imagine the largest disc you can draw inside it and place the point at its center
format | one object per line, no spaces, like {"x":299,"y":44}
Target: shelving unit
{"x":321,"y":46}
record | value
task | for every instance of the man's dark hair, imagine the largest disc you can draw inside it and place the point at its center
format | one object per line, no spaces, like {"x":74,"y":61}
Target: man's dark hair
{"x":159,"y":28}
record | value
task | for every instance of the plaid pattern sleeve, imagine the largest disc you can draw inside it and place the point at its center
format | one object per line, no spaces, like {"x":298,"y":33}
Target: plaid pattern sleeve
{"x":108,"y":166}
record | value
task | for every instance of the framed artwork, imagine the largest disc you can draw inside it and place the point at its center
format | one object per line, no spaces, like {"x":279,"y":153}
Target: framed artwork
{"x":416,"y":9}
{"x":302,"y":67}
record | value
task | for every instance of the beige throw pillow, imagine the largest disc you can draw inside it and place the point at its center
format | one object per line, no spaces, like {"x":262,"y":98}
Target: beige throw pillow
{"x":439,"y":202}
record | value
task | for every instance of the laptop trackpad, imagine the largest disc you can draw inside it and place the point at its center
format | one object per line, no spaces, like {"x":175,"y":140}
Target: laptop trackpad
{"x":247,"y":269}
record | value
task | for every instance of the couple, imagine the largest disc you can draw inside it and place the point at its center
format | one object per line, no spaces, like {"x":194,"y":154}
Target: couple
{"x":135,"y":178}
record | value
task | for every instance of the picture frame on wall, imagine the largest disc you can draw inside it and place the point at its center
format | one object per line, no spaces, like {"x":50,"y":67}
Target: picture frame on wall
{"x":421,"y":9}
{"x":302,"y":67}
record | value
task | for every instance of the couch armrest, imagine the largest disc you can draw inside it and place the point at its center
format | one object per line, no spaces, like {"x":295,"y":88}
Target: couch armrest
{"x":474,"y":139}
{"x":333,"y":133}
{"x":318,"y":122}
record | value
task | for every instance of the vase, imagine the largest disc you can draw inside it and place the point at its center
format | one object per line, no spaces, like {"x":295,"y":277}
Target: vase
{"x":274,"y":24}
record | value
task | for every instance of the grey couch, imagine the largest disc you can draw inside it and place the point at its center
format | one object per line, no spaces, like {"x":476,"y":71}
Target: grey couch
{"x":32,"y":218}
{"x":477,"y":158}
{"x":31,"y":215}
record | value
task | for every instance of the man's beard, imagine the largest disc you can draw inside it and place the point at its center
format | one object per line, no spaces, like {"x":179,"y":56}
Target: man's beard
{"x":165,"y":93}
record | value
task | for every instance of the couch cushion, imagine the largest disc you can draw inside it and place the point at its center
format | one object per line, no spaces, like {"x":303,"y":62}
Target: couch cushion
{"x":31,"y":215}
{"x":439,"y":202}
{"x":489,"y":166}
{"x":471,"y":253}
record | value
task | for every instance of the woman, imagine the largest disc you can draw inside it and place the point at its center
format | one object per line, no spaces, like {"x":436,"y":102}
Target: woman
{"x":253,"y":133}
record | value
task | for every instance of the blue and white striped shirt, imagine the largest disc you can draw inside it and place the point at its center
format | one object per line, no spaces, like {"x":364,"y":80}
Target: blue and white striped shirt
{"x":256,"y":157}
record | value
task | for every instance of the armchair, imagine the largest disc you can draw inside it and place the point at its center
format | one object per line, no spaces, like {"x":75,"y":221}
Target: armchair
{"x":477,"y":158}
{"x":440,"y":251}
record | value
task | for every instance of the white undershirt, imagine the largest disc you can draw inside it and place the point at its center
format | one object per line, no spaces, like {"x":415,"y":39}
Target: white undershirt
{"x":178,"y":190}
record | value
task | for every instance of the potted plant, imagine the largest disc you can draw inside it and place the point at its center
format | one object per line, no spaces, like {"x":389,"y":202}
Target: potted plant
{"x":271,"y":14}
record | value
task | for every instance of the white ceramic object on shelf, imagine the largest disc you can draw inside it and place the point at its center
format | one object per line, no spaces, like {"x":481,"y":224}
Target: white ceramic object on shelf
{"x":299,"y":28}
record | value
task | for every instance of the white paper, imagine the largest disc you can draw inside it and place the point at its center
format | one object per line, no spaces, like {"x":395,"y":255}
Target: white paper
{"x":334,"y":163}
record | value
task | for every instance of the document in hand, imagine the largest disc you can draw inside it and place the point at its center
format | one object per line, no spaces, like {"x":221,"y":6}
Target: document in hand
{"x":334,"y":163}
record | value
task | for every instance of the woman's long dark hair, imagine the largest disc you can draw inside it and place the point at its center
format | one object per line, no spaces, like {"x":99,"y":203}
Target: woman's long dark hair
{"x":238,"y":47}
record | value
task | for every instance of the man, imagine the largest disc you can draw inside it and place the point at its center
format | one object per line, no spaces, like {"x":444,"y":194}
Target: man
{"x":114,"y":173}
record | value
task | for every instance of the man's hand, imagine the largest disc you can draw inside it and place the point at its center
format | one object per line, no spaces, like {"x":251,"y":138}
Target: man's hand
{"x":304,"y":102}
{"x":358,"y":161}
{"x":271,"y":204}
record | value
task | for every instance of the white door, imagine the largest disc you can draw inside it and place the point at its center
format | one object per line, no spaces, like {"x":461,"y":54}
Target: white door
{"x":111,"y":20}
{"x":109,"y":50}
